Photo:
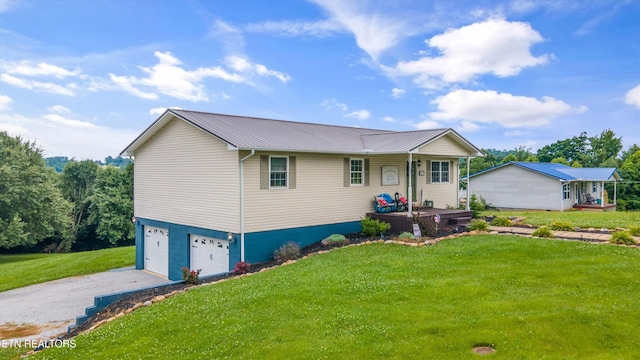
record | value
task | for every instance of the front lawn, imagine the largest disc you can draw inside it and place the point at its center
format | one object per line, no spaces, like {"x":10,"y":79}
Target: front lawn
{"x":527,"y":298}
{"x":583,"y":219}
{"x":27,"y":269}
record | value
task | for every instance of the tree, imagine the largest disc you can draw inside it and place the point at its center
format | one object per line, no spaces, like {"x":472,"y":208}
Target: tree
{"x":111,"y":208}
{"x":570,"y":149}
{"x":629,"y":190}
{"x":509,"y":158}
{"x":560,"y":160}
{"x":77,"y":185}
{"x":604,"y":147}
{"x":32,"y":208}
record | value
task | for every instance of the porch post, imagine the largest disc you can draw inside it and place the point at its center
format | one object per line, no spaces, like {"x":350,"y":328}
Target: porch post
{"x":601,"y":193}
{"x":410,"y":187}
{"x":615,"y":195}
{"x":468,"y":183}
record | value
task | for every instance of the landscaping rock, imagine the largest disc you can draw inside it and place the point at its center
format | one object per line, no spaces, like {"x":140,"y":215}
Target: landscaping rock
{"x":158,"y":298}
{"x":147,"y":303}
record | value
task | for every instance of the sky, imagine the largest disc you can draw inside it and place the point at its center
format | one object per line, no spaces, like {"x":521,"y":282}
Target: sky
{"x":83,"y":78}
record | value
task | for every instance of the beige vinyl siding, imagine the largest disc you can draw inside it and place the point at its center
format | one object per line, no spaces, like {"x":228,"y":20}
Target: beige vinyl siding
{"x":444,"y":146}
{"x":320,"y":196}
{"x":517,"y":188}
{"x":186,"y":176}
{"x":442,"y":194}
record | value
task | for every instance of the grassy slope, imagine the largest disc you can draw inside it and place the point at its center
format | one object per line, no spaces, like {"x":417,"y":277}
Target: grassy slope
{"x":28,"y":269}
{"x":584,"y":219}
{"x":531,"y":299}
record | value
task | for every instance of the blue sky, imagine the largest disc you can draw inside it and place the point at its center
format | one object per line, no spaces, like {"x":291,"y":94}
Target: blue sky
{"x":84,"y":78}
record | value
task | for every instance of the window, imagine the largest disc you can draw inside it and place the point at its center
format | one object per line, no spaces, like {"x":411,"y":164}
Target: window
{"x":593,"y":187}
{"x":439,"y":172}
{"x":278,"y":172}
{"x":566,"y":191}
{"x":356,"y":172}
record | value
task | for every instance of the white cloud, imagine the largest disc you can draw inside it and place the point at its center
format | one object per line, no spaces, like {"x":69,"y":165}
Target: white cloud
{"x":159,"y":111}
{"x":487,"y":107}
{"x":243,"y":65}
{"x":169,"y":78}
{"x":48,"y":87}
{"x":396,"y":93}
{"x":334,"y":104}
{"x":359,"y":114}
{"x":8,"y":5}
{"x":388,"y":119}
{"x":59,"y":109}
{"x":5,"y":103}
{"x":633,"y":97}
{"x":494,"y":46}
{"x":60,"y":136}
{"x":321,"y":28}
{"x":374,"y":31}
{"x":27,"y":68}
{"x":427,"y":125}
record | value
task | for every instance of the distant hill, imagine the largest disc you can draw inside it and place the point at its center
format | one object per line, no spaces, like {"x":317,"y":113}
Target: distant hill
{"x":58,"y":162}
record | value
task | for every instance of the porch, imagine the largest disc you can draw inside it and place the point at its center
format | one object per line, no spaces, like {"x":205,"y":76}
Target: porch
{"x":400,"y":221}
{"x":596,"y":207}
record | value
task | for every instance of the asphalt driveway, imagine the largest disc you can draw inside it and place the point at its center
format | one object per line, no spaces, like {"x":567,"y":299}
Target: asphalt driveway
{"x":54,"y":305}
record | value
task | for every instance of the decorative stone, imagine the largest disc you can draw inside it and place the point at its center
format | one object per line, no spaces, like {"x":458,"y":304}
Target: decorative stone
{"x":128,"y":311}
{"x":147,"y":303}
{"x":389,"y":242}
{"x":137,"y":305}
{"x":158,"y":298}
{"x":368,"y":242}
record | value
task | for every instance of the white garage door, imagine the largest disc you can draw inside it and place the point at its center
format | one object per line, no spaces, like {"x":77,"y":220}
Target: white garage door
{"x":156,"y":250}
{"x":209,"y":254}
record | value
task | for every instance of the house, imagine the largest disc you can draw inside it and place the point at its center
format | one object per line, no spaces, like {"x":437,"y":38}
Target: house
{"x":211,"y":190}
{"x":544,"y":186}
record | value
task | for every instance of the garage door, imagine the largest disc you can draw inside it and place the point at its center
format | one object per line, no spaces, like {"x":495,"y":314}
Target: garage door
{"x":156,"y":250}
{"x":209,"y":254}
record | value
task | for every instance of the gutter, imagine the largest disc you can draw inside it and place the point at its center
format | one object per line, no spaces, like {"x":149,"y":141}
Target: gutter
{"x":253,"y":151}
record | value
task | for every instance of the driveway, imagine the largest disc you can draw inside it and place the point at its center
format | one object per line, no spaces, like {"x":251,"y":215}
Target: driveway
{"x":54,"y":305}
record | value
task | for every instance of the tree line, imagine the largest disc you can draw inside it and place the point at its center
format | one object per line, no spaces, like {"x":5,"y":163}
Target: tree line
{"x":86,"y":206}
{"x":602,"y":150}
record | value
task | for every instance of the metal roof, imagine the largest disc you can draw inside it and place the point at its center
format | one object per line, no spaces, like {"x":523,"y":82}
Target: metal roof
{"x":249,"y":133}
{"x":563,"y":172}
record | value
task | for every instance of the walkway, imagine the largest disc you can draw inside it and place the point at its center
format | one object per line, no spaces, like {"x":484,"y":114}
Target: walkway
{"x":577,"y":235}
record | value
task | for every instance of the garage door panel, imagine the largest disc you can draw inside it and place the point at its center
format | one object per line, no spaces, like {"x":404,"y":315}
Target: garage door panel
{"x":209,"y":254}
{"x":156,"y":250}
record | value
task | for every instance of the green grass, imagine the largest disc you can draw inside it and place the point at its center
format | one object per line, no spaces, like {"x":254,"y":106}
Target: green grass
{"x":528,"y":298}
{"x":27,"y":269}
{"x":583,"y":219}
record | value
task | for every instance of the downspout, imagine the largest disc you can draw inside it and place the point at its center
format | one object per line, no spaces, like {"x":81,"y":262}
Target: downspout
{"x":410,"y":186}
{"x":615,"y":192}
{"x":467,"y":206}
{"x":601,"y":193}
{"x":562,"y":196}
{"x":242,"y":203}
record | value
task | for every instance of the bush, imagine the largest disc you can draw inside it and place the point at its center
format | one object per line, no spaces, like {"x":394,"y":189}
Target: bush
{"x":406,"y":236}
{"x":374,"y":227}
{"x":634,"y":230}
{"x":622,"y":237}
{"x":501,"y":221}
{"x":288,"y":251}
{"x":241,"y":267}
{"x":562,"y":226}
{"x":334,"y":239}
{"x":478,"y":224}
{"x":544,"y":232}
{"x":190,"y":277}
{"x":477,"y":205}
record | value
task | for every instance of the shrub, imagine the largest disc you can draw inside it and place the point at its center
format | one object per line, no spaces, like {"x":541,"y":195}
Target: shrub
{"x":477,"y":205}
{"x":190,"y":277}
{"x":634,"y":230}
{"x":622,"y":237}
{"x":335,"y":238}
{"x":288,"y":251}
{"x":373,"y":227}
{"x":543,"y":231}
{"x":241,"y":267}
{"x":501,"y":221}
{"x":406,"y":236}
{"x":562,"y":226}
{"x":478,"y":224}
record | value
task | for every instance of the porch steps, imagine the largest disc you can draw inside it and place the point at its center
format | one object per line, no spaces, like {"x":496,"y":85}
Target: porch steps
{"x":460,"y":221}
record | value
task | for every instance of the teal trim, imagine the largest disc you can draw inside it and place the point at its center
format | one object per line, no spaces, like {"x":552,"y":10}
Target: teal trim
{"x":179,"y":247}
{"x":259,"y":246}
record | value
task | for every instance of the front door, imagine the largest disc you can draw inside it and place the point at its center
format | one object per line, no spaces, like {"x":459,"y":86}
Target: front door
{"x":413,"y":180}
